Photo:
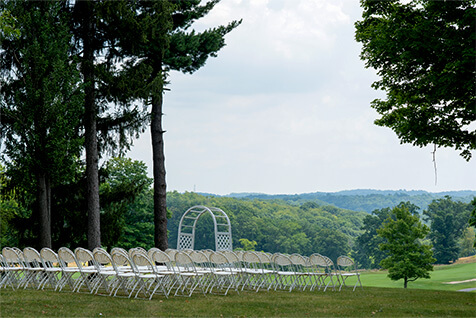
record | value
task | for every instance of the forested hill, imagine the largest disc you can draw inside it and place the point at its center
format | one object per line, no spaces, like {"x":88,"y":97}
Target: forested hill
{"x":272,"y":225}
{"x":364,"y":200}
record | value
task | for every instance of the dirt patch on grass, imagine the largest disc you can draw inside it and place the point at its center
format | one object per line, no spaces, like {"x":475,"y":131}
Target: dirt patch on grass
{"x":461,"y":281}
{"x":466,"y":260}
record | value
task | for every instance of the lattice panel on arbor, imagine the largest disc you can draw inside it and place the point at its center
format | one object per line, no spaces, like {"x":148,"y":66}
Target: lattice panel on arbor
{"x":188,"y":222}
{"x":186,"y":242}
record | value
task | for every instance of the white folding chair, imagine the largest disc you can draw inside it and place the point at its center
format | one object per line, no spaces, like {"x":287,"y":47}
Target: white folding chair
{"x":87,"y":268}
{"x":149,"y":280}
{"x":348,"y":268}
{"x":189,"y":279}
{"x":223,"y":276}
{"x":165,"y":266}
{"x":34,"y":270}
{"x":51,"y":265}
{"x":324,"y":270}
{"x":106,"y":272}
{"x":14,"y":267}
{"x":70,"y":271}
{"x":305,"y":275}
{"x":256,"y":271}
{"x":286,"y":275}
{"x":127,"y":280}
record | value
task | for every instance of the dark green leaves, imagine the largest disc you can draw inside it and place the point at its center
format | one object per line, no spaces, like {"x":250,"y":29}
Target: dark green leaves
{"x":424,"y":53}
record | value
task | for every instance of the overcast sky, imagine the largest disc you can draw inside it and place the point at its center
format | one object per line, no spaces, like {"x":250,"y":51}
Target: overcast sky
{"x":285,"y":108}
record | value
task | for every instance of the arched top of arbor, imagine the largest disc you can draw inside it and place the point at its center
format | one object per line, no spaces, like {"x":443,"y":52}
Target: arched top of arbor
{"x":188,"y":222}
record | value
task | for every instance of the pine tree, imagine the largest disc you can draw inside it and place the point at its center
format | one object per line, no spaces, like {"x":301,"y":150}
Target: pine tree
{"x":163,"y":42}
{"x":40,"y":103}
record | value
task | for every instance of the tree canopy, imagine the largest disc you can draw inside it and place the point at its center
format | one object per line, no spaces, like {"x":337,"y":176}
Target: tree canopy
{"x":423,"y":51}
{"x":448,"y":220}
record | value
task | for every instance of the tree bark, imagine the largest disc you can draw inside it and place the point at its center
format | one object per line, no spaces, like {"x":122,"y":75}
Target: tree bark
{"x":405,"y":282}
{"x":90,"y":113}
{"x":44,"y":207}
{"x":160,"y":186}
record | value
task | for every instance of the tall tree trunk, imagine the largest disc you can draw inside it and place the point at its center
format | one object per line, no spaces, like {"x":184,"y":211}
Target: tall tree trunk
{"x":160,"y":186}
{"x":405,"y":282}
{"x":90,"y":113}
{"x":44,"y":207}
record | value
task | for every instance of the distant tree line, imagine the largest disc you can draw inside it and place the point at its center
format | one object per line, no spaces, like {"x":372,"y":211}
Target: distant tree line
{"x":365,"y":200}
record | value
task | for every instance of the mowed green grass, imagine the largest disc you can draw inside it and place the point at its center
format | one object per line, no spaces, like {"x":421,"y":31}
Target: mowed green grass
{"x":371,"y":301}
{"x":439,"y":276}
{"x":379,"y":297}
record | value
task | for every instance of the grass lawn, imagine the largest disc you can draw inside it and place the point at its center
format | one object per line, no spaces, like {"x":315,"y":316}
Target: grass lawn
{"x":380,"y":297}
{"x":372,"y":301}
{"x":439,"y":276}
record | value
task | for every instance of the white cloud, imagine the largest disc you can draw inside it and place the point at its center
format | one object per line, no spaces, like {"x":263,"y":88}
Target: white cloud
{"x":285,"y":108}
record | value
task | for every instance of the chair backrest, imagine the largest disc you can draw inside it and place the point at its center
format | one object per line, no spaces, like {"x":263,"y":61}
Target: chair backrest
{"x":120,"y":257}
{"x":136,"y":249}
{"x":282,"y":260}
{"x":12,"y":257}
{"x":84,"y":257}
{"x":184,"y":262}
{"x":251,"y":257}
{"x":32,"y":257}
{"x":200,"y":258}
{"x":103,"y":258}
{"x":266,"y":260}
{"x":318,"y":260}
{"x":233,"y":258}
{"x":20,"y":253}
{"x":171,"y":253}
{"x":239,"y":254}
{"x":218,"y":259}
{"x":345,"y":263}
{"x":161,"y":257}
{"x":301,"y":263}
{"x":139,"y":258}
{"x":151,"y":252}
{"x":66,"y":256}
{"x":49,"y":257}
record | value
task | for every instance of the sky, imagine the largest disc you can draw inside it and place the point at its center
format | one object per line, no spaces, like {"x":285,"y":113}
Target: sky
{"x":285,"y":108}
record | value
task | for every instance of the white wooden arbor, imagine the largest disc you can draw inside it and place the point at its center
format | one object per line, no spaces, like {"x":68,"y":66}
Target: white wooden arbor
{"x":188,"y":222}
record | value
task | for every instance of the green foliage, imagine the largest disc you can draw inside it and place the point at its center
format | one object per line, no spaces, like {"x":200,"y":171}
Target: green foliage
{"x":139,"y":222}
{"x":247,"y":244}
{"x":466,"y":242}
{"x":122,"y":182}
{"x":407,"y":257}
{"x":366,"y":250}
{"x":40,"y":103}
{"x":363,"y":200}
{"x":7,"y":26}
{"x":274,"y":225}
{"x":41,"y":100}
{"x":423,"y":50}
{"x":448,"y":220}
{"x":10,"y":211}
{"x":472,"y":219}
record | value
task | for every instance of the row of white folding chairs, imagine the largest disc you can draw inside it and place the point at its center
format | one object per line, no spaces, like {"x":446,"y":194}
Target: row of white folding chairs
{"x":260,"y":270}
{"x":136,"y":271}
